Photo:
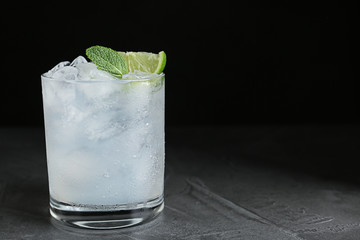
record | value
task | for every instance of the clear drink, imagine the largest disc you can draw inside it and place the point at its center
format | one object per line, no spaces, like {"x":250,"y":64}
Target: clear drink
{"x":105,"y":148}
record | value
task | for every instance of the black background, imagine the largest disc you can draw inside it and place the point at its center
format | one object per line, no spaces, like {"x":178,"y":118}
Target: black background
{"x":228,"y":63}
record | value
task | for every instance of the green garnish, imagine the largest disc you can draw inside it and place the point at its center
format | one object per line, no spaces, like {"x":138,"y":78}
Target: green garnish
{"x":107,"y":60}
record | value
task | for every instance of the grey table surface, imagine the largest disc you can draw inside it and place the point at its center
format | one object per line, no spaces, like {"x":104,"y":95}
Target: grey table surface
{"x":225,"y":182}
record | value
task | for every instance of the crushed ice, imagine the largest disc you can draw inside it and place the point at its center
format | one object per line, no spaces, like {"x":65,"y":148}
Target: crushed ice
{"x":81,"y":69}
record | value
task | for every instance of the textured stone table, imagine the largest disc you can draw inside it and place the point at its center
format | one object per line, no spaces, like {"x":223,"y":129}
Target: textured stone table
{"x":244,"y":182}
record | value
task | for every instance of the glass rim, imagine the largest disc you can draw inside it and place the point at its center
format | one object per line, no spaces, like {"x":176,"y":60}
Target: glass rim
{"x":102,"y":81}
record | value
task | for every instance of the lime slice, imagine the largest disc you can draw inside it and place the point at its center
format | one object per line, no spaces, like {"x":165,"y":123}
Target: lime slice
{"x":144,"y":61}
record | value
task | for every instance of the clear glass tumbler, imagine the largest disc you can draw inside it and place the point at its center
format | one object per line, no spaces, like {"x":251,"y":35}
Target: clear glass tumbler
{"x":105,"y":150}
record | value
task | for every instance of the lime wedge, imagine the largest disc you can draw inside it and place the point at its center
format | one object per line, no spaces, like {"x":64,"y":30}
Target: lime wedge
{"x":144,"y":61}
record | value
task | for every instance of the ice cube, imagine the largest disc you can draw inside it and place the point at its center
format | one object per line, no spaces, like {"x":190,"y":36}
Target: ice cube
{"x":51,"y":72}
{"x":85,"y":70}
{"x":78,"y":60}
{"x":89,"y":71}
{"x":102,"y":127}
{"x":67,"y":72}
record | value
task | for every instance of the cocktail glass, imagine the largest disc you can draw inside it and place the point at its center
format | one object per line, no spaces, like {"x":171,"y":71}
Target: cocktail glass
{"x":105,"y":150}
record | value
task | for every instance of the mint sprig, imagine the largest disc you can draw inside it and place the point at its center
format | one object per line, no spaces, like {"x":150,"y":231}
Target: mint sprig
{"x":107,"y":60}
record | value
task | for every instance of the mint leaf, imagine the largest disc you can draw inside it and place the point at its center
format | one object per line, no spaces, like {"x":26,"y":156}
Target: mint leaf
{"x":107,"y":60}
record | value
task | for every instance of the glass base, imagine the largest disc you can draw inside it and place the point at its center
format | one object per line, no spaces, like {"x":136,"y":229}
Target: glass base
{"x":112,"y":217}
